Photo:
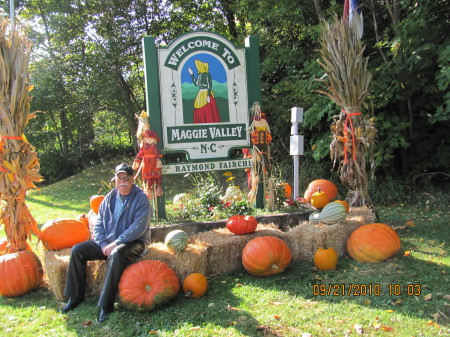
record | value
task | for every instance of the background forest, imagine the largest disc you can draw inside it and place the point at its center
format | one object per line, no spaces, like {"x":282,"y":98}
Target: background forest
{"x":87,"y":72}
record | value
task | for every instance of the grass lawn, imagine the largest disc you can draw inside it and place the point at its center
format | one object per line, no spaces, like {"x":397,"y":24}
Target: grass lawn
{"x":407,"y":295}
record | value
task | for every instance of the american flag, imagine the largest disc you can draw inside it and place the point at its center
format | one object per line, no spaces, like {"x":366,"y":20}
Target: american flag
{"x":353,"y":12}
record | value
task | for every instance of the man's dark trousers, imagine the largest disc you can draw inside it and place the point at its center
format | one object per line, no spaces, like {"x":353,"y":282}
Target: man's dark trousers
{"x":118,"y":260}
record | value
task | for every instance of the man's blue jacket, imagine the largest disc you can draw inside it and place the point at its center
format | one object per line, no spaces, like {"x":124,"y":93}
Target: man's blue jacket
{"x":132,"y":224}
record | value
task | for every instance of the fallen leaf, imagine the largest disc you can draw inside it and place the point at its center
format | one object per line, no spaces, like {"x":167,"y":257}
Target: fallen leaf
{"x":359,"y":329}
{"x":276,"y":317}
{"x":229,"y":307}
{"x":153,"y":332}
{"x":410,"y":223}
{"x":436,"y":316}
{"x":305,"y":334}
{"x":427,"y":297}
{"x":407,"y":253}
{"x":376,"y":325}
{"x":447,"y":297}
{"x":194,"y":328}
{"x":367,"y":301}
{"x":387,"y":328}
{"x":277,"y":303}
{"x":87,"y":323}
{"x":390,"y":310}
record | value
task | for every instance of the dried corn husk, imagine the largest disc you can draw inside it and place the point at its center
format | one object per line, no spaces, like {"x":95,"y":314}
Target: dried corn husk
{"x":347,"y":84}
{"x":19,"y":164}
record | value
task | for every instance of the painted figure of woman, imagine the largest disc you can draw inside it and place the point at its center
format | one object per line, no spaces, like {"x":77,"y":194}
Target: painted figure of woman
{"x":205,"y":106}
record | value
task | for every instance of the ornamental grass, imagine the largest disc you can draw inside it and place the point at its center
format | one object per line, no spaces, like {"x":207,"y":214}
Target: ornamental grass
{"x":347,"y":83}
{"x":19,"y":164}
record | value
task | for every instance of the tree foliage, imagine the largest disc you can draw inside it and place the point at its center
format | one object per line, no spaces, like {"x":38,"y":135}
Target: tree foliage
{"x":87,"y":69}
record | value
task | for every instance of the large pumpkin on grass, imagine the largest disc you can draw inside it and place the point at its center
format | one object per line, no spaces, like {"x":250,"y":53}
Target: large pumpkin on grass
{"x":147,"y":284}
{"x":324,"y":185}
{"x":95,"y":202}
{"x":266,"y":255}
{"x":195,"y":285}
{"x":242,"y":224}
{"x":19,"y":273}
{"x":63,"y":233}
{"x":374,"y":242}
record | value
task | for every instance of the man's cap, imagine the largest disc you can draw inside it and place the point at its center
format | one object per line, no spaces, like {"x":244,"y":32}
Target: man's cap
{"x":123,"y":168}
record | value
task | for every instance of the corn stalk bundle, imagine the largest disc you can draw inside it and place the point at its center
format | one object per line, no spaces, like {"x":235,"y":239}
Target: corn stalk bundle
{"x":347,"y":84}
{"x":19,"y":164}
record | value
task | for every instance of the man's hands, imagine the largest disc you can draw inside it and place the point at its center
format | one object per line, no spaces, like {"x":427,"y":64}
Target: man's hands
{"x":109,"y":248}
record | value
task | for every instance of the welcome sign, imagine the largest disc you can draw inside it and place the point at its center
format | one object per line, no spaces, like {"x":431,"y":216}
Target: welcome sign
{"x":198,"y":94}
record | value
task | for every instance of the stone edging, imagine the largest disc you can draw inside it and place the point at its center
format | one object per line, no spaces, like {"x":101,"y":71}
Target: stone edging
{"x":284,"y":221}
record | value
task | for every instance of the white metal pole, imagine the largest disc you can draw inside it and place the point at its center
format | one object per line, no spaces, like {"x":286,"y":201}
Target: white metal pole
{"x":296,"y":146}
{"x":12,"y":13}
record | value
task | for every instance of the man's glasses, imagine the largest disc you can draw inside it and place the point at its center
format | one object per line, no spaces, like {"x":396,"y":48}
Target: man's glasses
{"x":123,"y":179}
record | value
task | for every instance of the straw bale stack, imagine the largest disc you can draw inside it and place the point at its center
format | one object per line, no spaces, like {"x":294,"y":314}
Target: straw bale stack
{"x":218,"y":251}
{"x":224,"y":249}
{"x":306,"y":238}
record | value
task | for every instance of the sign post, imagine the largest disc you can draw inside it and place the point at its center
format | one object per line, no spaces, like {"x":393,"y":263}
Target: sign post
{"x":296,"y":145}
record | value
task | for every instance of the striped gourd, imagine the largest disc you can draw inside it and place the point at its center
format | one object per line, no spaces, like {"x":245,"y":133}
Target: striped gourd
{"x":177,"y":240}
{"x":333,"y":212}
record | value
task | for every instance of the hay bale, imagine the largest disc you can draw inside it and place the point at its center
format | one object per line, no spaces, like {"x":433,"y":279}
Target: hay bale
{"x":192,"y":260}
{"x":224,"y":249}
{"x":306,"y":238}
{"x":56,"y":263}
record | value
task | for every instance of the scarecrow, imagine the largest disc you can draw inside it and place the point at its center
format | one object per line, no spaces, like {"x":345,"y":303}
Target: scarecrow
{"x":148,"y":160}
{"x":261,"y":138}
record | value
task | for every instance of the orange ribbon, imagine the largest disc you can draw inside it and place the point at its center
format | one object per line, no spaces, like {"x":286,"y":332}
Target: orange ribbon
{"x":348,"y":120}
{"x":11,"y":137}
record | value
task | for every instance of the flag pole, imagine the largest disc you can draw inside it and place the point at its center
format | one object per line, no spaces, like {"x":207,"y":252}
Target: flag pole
{"x":12,"y":13}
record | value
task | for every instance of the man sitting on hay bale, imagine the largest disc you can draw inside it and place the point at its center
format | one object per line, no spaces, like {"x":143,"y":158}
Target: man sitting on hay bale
{"x":121,"y":235}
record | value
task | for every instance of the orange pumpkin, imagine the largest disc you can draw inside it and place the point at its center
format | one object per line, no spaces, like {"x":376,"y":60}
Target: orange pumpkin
{"x":95,"y":202}
{"x":63,"y":233}
{"x":242,"y":224}
{"x":4,"y":246}
{"x":287,"y":190}
{"x":374,"y":242}
{"x":147,"y":284}
{"x":195,"y":285}
{"x":325,"y":258}
{"x":319,"y":199}
{"x":325,"y":186}
{"x":266,"y":255}
{"x":84,"y":219}
{"x":345,"y":203}
{"x":20,"y":273}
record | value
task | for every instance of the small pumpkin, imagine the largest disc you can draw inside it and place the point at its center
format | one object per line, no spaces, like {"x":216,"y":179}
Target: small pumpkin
{"x":346,"y":205}
{"x":63,"y":233}
{"x":319,"y":199}
{"x":325,"y":186}
{"x":177,"y":240}
{"x":242,"y":224}
{"x":83,"y":218}
{"x":195,"y":285}
{"x":374,"y":242}
{"x":266,"y":255}
{"x":287,"y":190}
{"x":20,"y":273}
{"x":325,"y":258}
{"x":332,"y":213}
{"x":95,"y":202}
{"x":147,"y":284}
